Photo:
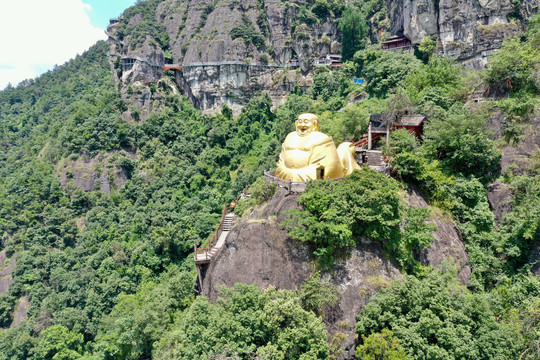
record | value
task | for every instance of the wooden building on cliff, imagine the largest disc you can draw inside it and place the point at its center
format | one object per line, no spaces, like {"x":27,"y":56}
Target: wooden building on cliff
{"x":397,"y":42}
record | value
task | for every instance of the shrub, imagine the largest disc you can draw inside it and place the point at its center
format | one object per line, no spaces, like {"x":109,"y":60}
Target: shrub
{"x":246,"y":322}
{"x":381,"y":346}
{"x":335,"y":215}
{"x":462,"y":145}
{"x":384,"y":70}
{"x":317,"y":294}
{"x":435,"y":318}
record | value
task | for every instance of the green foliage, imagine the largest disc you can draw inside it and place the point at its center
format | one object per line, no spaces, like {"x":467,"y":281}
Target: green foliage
{"x":7,"y":304}
{"x":328,"y":84}
{"x":384,"y":70}
{"x":461,"y":144}
{"x":335,"y":215}
{"x":515,"y":65}
{"x":247,"y":32}
{"x":519,"y":108}
{"x":381,"y":346}
{"x":260,"y":191}
{"x":441,"y":82}
{"x":352,"y":121}
{"x":435,"y":318}
{"x":58,"y":343}
{"x":79,"y":251}
{"x":354,"y":30}
{"x":401,"y":140}
{"x":427,"y":47}
{"x":139,"y":320}
{"x":110,"y":276}
{"x":521,"y":227}
{"x":246,"y":322}
{"x":317,"y":294}
{"x":416,"y":235}
{"x":149,"y":25}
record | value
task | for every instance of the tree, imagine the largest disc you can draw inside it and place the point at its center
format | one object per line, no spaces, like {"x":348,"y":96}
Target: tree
{"x":58,"y":343}
{"x":381,"y":346}
{"x":384,"y":70}
{"x":245,"y":322}
{"x":335,"y":215}
{"x":462,"y":145}
{"x":435,"y":318}
{"x":354,"y":31}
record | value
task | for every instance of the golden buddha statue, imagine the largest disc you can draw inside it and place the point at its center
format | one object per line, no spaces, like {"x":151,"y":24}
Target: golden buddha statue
{"x":308,"y":154}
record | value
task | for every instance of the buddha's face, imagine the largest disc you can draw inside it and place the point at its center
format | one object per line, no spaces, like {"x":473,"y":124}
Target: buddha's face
{"x":306,"y":123}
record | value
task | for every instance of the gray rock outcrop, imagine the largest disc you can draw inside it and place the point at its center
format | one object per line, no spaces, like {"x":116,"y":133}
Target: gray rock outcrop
{"x":500,"y":199}
{"x":202,"y":33}
{"x":21,"y":311}
{"x":7,"y":265}
{"x":468,"y":31}
{"x":447,"y":243}
{"x":258,"y":251}
{"x":95,"y":173}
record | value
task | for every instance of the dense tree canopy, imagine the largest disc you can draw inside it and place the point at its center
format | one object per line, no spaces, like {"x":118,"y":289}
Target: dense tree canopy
{"x":109,"y":274}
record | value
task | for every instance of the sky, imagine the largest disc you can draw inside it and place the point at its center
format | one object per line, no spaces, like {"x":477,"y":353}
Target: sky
{"x":35,"y":35}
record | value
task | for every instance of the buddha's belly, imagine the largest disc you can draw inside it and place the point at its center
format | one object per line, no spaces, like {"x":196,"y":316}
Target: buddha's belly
{"x":296,"y":159}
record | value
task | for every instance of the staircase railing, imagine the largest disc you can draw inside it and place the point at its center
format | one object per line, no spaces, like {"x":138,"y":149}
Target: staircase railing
{"x":227,"y":208}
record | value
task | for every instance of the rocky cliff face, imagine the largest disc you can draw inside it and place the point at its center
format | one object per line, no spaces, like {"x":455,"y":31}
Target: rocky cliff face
{"x":229,"y":35}
{"x":258,"y":251}
{"x":210,"y":87}
{"x":273,"y":32}
{"x":468,"y":31}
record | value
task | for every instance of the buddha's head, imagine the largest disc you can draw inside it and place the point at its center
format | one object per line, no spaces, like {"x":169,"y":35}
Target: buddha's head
{"x":307,"y":123}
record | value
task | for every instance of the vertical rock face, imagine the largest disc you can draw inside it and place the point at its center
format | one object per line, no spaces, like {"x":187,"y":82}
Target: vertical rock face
{"x":274,"y":32}
{"x":219,"y":33}
{"x":258,"y":251}
{"x":21,"y":311}
{"x":469,"y":31}
{"x":419,"y":19}
{"x":6,"y":271}
{"x":447,"y":244}
{"x":234,"y":84}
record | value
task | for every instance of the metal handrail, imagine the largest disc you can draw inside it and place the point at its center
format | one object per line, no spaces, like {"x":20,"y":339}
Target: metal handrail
{"x":213,"y":240}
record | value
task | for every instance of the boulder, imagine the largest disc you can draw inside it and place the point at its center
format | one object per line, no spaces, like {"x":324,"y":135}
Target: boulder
{"x":258,"y":251}
{"x":500,"y":199}
{"x":447,"y":243}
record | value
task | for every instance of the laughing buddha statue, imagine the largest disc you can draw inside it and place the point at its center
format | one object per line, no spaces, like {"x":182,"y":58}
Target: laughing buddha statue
{"x":308,"y":154}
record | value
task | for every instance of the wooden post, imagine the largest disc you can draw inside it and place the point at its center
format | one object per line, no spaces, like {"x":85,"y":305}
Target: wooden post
{"x":199,"y":273}
{"x":387,"y":135}
{"x":369,"y":136}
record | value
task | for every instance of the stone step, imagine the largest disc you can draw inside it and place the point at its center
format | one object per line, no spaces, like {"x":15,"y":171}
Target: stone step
{"x":374,"y":157}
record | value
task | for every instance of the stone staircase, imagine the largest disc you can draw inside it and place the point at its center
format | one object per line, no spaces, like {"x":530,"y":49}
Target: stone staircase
{"x":228,"y":222}
{"x":206,"y":257}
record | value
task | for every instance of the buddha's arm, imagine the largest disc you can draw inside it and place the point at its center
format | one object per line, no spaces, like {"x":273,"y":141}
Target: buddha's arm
{"x":281,"y":171}
{"x":325,"y":156}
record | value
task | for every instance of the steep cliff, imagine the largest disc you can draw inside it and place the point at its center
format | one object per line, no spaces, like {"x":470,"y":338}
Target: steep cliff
{"x":230,"y":49}
{"x":468,"y":31}
{"x":258,"y":251}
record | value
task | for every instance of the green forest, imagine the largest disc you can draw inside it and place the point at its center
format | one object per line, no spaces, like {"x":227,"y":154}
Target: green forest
{"x":111,"y":275}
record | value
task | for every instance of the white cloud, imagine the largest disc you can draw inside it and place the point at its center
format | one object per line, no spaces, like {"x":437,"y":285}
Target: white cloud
{"x":37,"y":34}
